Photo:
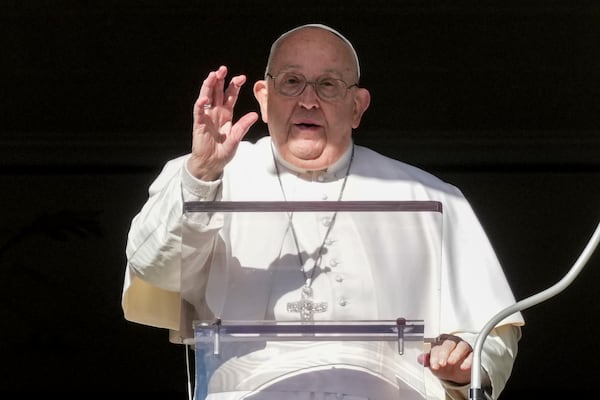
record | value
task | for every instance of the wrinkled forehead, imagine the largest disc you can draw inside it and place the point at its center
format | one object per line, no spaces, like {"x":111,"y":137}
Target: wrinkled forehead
{"x":289,"y":33}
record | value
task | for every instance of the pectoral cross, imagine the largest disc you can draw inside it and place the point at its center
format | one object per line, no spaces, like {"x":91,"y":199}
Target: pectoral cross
{"x":305,"y":306}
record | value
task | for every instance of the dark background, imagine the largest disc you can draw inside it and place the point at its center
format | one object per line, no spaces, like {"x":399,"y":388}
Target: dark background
{"x":499,"y":98}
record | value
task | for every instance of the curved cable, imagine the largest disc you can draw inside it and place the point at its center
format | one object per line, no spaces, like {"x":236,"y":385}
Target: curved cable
{"x":476,"y":391}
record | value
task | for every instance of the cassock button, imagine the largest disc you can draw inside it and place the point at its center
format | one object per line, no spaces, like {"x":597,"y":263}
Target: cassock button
{"x":342,"y":302}
{"x":326,"y":221}
{"x":339,"y":278}
{"x":334,"y":262}
{"x":321,"y":178}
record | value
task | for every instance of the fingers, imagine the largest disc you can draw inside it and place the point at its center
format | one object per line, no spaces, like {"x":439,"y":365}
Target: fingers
{"x":451,"y":351}
{"x":450,"y":359}
{"x":215,"y":136}
{"x":219,"y":85}
{"x":200,"y":108}
{"x":214,"y":107}
{"x":233,"y":90}
{"x":213,"y":90}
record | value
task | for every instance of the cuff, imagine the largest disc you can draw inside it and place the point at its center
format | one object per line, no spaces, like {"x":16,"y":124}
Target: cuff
{"x":197,"y":189}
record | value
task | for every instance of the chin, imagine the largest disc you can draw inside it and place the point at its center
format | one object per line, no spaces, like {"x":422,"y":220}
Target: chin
{"x":308,"y":157}
{"x":311,"y":164}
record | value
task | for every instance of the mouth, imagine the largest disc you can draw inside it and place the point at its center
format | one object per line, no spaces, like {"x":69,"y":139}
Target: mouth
{"x":307,"y":125}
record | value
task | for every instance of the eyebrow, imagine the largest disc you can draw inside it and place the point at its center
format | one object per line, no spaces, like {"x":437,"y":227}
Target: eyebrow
{"x":290,"y":68}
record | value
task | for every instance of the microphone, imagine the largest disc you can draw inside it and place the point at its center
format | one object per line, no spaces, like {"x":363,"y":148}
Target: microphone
{"x":476,"y":391}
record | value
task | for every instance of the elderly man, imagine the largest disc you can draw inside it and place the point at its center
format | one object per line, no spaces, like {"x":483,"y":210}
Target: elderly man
{"x":312,"y":102}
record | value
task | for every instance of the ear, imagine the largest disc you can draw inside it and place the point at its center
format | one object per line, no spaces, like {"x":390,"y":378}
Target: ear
{"x":362,"y":99}
{"x":261,"y":92}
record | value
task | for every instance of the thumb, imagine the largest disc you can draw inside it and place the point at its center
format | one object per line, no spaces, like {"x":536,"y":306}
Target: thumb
{"x":241,"y":127}
{"x":423,"y":359}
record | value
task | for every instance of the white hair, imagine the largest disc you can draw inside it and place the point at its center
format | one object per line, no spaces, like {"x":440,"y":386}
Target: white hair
{"x":320,"y":26}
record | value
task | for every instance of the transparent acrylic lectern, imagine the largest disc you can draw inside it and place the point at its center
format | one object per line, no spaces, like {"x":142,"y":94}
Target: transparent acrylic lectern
{"x":374,"y":301}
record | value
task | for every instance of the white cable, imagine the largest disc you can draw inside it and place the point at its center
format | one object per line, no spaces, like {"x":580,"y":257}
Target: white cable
{"x":476,"y":392}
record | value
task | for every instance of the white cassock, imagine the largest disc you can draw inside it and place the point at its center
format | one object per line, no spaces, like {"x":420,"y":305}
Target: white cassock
{"x":236,"y":271}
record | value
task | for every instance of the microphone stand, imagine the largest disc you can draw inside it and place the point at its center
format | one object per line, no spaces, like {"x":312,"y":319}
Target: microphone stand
{"x":476,"y":391}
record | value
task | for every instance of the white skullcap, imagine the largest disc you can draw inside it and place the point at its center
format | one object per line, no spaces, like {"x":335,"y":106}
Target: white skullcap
{"x":320,"y":26}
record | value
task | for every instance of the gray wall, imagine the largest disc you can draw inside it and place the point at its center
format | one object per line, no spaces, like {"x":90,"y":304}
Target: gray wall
{"x":499,"y":99}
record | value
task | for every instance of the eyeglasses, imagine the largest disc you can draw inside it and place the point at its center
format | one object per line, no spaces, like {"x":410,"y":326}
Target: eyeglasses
{"x":292,"y":84}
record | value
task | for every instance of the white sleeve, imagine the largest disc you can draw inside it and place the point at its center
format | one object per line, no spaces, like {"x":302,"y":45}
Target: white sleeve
{"x":154,"y":241}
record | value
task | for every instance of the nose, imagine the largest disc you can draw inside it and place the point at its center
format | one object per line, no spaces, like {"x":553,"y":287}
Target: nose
{"x":309,"y":98}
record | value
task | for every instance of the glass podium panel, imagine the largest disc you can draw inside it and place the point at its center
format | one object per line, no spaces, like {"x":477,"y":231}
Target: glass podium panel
{"x":374,"y":296}
{"x":252,"y":357}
